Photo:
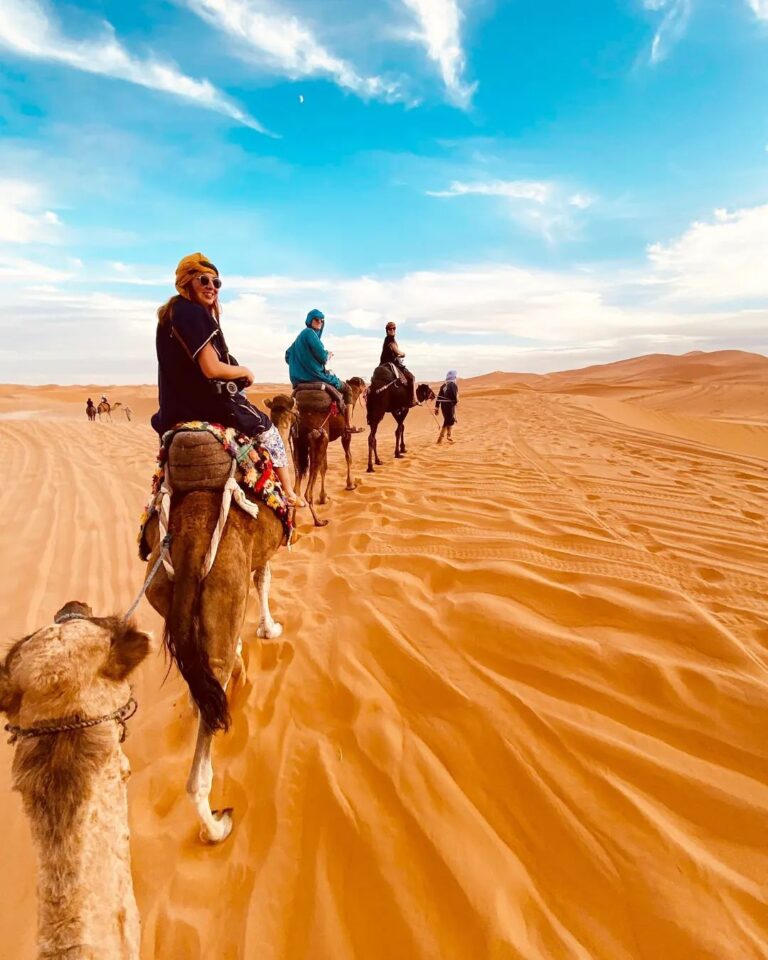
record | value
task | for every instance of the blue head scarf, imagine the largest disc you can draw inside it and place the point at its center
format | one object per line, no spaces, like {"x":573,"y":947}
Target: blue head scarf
{"x":451,"y":375}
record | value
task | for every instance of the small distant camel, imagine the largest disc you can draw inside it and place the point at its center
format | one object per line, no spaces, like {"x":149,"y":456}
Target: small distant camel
{"x":65,"y":691}
{"x":315,"y":428}
{"x":106,"y":408}
{"x":90,"y":409}
{"x":387,"y":394}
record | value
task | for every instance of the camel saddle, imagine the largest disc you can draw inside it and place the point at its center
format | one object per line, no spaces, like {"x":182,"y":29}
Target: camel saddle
{"x":387,"y":373}
{"x":318,"y":395}
{"x":197,"y":461}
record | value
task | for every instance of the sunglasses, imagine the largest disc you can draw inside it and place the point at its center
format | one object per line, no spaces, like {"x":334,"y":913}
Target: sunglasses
{"x":205,"y":280}
{"x":391,"y":328}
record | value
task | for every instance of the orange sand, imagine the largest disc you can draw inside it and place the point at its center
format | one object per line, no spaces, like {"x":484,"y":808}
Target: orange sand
{"x":522,"y":716}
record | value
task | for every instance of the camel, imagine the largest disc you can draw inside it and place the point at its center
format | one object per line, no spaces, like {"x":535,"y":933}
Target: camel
{"x":72,"y":776}
{"x":204,"y":614}
{"x":90,"y":410}
{"x":106,"y":408}
{"x":390,"y":396}
{"x":311,"y":434}
{"x":284,"y":413}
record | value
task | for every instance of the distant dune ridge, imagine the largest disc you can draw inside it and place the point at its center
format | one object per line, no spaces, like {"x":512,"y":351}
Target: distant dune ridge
{"x":520,"y":706}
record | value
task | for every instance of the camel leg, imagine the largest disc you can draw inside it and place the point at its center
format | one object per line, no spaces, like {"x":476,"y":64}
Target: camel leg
{"x":215,"y":826}
{"x":399,"y":430}
{"x":267,"y":627}
{"x":373,"y":449}
{"x":323,"y":498}
{"x":238,"y":671}
{"x":317,"y":452}
{"x":346,"y":442}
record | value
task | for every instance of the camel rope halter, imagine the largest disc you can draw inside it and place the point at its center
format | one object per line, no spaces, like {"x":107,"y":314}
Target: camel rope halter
{"x":120,"y":716}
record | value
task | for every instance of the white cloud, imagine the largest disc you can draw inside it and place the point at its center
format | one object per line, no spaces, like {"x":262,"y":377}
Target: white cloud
{"x":540,"y":205}
{"x":27,"y":29}
{"x":581,"y":201}
{"x":538,"y":191}
{"x":440,"y":34}
{"x":672,"y":27}
{"x":760,"y":8}
{"x":284,"y":44}
{"x":23,"y":217}
{"x":717,"y":261}
{"x":706,"y":289}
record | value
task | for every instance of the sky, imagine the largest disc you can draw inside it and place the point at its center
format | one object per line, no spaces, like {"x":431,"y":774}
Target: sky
{"x":521,"y":186}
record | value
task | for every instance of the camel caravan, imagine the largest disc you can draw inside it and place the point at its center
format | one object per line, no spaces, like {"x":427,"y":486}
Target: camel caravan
{"x":104,"y":409}
{"x":222,"y":505}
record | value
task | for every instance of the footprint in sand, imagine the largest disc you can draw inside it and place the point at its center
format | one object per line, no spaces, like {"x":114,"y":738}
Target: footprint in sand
{"x":751,"y":515}
{"x":710,"y":575}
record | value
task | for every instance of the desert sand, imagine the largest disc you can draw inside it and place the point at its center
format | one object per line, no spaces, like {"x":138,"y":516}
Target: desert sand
{"x":519,"y":709}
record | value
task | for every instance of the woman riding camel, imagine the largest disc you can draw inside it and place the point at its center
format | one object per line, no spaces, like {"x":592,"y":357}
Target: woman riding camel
{"x":306,"y":358}
{"x":391,"y":353}
{"x":196,"y":369}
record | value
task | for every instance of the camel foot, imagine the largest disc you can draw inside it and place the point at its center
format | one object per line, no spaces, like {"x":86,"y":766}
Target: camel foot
{"x":323,"y":499}
{"x":351,"y":486}
{"x":271,"y":631}
{"x":370,"y":470}
{"x":322,"y":523}
{"x":220,"y":830}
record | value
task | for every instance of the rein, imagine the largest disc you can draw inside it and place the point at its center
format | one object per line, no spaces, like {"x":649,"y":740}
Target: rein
{"x":120,"y":716}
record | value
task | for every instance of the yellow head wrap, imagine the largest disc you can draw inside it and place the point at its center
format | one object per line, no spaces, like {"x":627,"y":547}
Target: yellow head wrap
{"x":190,"y":267}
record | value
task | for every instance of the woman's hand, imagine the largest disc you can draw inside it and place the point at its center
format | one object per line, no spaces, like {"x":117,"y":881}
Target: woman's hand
{"x":246,"y":375}
{"x":330,"y":355}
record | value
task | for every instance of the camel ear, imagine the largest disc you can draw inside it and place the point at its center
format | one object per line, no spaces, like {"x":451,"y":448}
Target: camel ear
{"x":75,"y":608}
{"x":129,"y":647}
{"x":10,"y":696}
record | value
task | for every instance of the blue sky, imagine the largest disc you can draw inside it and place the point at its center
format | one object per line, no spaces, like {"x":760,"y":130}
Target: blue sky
{"x":521,"y":186}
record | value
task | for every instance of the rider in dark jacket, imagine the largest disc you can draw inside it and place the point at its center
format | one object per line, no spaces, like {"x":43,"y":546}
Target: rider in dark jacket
{"x":391,"y":353}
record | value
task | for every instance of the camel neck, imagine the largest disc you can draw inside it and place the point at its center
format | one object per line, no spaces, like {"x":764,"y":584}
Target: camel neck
{"x":86,"y":906}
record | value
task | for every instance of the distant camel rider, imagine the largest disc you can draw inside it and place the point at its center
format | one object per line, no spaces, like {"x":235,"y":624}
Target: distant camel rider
{"x":306,"y":358}
{"x":391,"y":353}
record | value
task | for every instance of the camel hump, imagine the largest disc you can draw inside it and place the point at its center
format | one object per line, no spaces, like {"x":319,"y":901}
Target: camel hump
{"x":197,"y":461}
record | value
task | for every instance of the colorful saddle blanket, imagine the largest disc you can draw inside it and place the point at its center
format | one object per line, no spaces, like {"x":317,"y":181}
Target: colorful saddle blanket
{"x":256,"y":474}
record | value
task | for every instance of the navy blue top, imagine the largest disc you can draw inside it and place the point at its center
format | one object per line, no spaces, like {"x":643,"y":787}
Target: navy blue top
{"x":185,"y":393}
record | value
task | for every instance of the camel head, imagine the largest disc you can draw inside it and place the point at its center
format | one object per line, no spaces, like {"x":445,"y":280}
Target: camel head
{"x":357,"y":385}
{"x":424,"y":392}
{"x":79,"y":664}
{"x":283,"y":410}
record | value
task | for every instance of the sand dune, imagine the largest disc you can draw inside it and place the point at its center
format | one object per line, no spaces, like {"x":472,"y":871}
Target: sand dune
{"x":519,"y":707}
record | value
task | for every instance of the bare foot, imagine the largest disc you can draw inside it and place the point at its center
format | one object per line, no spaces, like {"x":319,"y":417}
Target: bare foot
{"x":295,"y":500}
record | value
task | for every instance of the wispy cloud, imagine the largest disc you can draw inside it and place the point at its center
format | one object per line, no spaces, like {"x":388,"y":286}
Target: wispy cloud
{"x":538,"y":191}
{"x":760,"y":8}
{"x":672,"y":26}
{"x":287,"y":46}
{"x":27,"y":29}
{"x":440,"y":33}
{"x":542,"y":205}
{"x":23,"y":217}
